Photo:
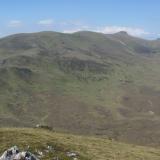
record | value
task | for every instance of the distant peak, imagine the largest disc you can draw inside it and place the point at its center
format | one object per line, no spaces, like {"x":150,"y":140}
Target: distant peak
{"x":123,"y":33}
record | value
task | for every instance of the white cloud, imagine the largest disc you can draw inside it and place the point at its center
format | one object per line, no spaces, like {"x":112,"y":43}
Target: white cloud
{"x":15,"y":23}
{"x":139,"y":32}
{"x":72,"y":30}
{"x":72,"y":26}
{"x":46,"y":22}
{"x":132,"y":31}
{"x":77,"y":29}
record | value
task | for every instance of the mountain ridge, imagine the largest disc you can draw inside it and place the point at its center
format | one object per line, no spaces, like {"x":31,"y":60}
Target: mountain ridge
{"x":85,"y":83}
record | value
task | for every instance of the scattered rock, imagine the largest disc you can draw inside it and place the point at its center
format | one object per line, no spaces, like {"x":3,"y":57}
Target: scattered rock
{"x":44,"y":127}
{"x":50,"y":148}
{"x":56,"y":158}
{"x":40,"y":154}
{"x":151,"y":113}
{"x":14,"y":154}
{"x":72,"y":154}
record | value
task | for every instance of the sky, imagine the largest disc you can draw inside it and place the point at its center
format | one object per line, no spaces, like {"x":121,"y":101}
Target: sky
{"x":138,"y":17}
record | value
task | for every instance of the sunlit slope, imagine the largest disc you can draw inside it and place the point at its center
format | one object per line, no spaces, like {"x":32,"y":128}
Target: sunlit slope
{"x":86,"y":82}
{"x":88,"y":148}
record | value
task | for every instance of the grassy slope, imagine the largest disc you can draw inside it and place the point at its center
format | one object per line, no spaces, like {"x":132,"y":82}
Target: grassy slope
{"x":88,"y":147}
{"x":85,"y":83}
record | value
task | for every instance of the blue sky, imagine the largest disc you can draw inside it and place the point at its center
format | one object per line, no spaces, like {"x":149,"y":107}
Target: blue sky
{"x":138,"y":17}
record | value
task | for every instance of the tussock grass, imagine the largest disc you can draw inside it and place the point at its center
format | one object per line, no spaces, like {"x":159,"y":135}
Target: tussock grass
{"x":88,"y":147}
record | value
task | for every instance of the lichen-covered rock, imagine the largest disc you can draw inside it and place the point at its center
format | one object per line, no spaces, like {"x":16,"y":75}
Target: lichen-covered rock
{"x":14,"y":154}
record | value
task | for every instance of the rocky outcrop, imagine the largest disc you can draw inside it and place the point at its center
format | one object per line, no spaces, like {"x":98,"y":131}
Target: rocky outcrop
{"x":15,"y":154}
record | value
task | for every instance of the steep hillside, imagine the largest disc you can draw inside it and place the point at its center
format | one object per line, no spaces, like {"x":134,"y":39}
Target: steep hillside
{"x":87,"y":148}
{"x":86,"y":82}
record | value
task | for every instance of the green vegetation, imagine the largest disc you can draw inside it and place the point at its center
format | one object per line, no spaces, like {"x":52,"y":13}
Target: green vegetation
{"x":85,"y":83}
{"x":89,"y":148}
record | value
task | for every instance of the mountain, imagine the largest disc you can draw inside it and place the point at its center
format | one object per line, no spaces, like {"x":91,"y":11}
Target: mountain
{"x":51,"y":145}
{"x":86,"y":83}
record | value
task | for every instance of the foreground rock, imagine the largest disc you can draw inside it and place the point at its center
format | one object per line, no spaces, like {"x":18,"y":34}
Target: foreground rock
{"x":14,"y":154}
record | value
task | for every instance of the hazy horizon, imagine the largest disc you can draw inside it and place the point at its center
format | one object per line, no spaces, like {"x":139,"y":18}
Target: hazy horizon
{"x":140,"y":19}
